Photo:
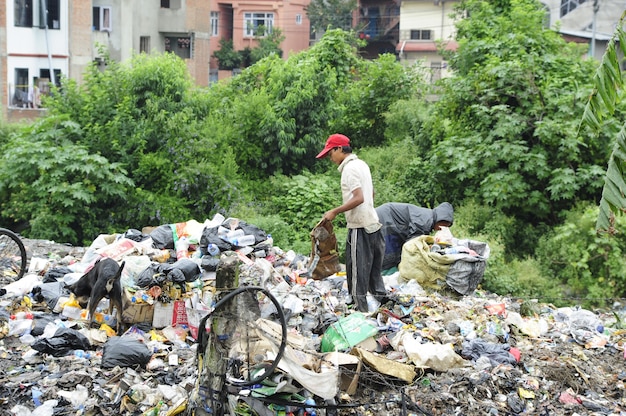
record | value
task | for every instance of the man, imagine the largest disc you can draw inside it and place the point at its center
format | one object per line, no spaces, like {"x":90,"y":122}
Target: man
{"x":402,"y":222}
{"x":365,"y":245}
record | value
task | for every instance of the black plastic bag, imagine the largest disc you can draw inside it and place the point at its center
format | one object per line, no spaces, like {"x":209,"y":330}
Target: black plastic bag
{"x":184,"y":270}
{"x":209,"y":236}
{"x":63,"y":341}
{"x":40,"y":322}
{"x":135,"y":235}
{"x":210,"y":263}
{"x":125,"y":352}
{"x":150,"y":276}
{"x":56,"y":274}
{"x":163,"y":237}
{"x":50,"y":293}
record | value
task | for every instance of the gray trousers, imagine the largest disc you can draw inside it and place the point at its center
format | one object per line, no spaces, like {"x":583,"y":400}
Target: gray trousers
{"x":364,"y":260}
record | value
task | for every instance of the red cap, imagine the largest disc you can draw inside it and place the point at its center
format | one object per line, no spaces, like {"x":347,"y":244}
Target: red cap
{"x":334,"y":140}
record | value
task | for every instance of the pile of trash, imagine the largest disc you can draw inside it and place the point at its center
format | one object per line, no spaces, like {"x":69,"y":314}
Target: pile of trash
{"x":423,"y":352}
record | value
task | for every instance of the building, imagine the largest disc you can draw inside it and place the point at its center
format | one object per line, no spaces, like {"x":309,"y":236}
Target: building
{"x":239,"y":21}
{"x":378,"y":22}
{"x":424,"y":23}
{"x":35,"y":50}
{"x":586,"y":21}
{"x":38,"y":48}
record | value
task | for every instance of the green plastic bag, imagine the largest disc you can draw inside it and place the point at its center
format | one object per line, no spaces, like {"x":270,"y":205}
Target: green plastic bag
{"x":347,"y":332}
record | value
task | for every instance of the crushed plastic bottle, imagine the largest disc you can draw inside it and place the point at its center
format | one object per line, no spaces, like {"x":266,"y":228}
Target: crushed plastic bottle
{"x":243,"y":241}
{"x":213,"y":249}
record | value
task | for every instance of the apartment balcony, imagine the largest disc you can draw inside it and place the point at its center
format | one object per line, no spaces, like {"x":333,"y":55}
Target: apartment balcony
{"x":379,"y":23}
{"x":172,"y":20}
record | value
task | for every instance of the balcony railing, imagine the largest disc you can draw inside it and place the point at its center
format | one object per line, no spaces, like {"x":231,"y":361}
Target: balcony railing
{"x":379,"y":27}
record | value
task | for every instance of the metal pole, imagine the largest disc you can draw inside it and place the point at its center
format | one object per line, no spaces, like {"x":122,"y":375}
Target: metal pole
{"x":592,"y":50}
{"x":44,"y":12}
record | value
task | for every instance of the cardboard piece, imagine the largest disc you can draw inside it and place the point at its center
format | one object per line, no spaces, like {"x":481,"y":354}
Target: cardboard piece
{"x":163,"y":313}
{"x":179,"y":313}
{"x":194,"y":316}
{"x":349,"y":370}
{"x":383,"y":365}
{"x":134,"y":313}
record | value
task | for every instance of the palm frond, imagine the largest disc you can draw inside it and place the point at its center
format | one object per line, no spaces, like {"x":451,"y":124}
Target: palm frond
{"x":607,"y":82}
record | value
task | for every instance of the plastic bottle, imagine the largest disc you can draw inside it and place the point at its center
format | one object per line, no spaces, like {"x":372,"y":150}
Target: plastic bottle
{"x":182,"y":248}
{"x":235,"y":235}
{"x":243,"y":241}
{"x":213,"y":250}
{"x":270,"y":240}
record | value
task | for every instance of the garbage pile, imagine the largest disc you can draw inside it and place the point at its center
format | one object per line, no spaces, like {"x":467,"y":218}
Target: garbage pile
{"x":424,"y":352}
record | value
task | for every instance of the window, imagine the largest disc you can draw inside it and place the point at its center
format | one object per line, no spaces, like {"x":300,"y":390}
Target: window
{"x":179,"y":45}
{"x":252,"y":22}
{"x":102,"y":19}
{"x":435,"y":71}
{"x":298,"y":19}
{"x":171,"y":4}
{"x":45,"y":73}
{"x":567,"y":6}
{"x":421,"y":34}
{"x":144,"y":44}
{"x":215,"y":18}
{"x":20,"y":95}
{"x":23,"y":13}
{"x":50,"y":15}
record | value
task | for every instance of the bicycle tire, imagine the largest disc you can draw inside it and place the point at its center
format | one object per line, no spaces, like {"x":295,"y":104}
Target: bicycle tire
{"x":231,"y":321}
{"x":12,"y":255}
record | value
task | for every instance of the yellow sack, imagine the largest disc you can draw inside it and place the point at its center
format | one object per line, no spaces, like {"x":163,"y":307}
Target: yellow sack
{"x":418,"y":263}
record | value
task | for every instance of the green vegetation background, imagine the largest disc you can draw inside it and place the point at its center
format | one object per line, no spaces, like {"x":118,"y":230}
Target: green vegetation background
{"x":138,"y":144}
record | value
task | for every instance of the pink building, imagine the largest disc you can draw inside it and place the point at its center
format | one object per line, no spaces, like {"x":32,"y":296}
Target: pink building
{"x":239,"y":20}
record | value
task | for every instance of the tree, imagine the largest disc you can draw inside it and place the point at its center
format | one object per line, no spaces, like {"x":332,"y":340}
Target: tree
{"x":330,"y":14}
{"x":227,"y":57}
{"x":142,"y":118}
{"x":57,"y":187}
{"x":608,"y":81}
{"x":505,"y":130}
{"x":269,"y":43}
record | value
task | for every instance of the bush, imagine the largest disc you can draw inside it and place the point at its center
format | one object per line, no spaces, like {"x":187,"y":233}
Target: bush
{"x":591,"y":266}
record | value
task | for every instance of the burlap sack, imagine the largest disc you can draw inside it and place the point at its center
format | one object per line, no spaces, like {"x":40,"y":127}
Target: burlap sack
{"x":324,"y":260}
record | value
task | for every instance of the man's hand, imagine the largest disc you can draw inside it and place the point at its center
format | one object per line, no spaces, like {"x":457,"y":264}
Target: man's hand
{"x":355,"y":200}
{"x":330,"y":215}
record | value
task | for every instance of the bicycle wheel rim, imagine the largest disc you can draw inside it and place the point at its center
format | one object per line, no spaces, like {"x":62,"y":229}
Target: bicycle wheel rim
{"x":266,"y":367}
{"x":12,"y":255}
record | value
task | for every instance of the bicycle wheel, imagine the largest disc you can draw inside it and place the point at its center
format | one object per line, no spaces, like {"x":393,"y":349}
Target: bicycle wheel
{"x":12,"y":255}
{"x":236,"y":347}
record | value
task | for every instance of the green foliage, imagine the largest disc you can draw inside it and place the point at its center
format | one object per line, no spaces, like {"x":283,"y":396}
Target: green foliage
{"x":609,"y":82}
{"x":227,"y":57}
{"x":505,"y":124}
{"x":389,"y":165}
{"x":380,"y":83}
{"x":143,"y":117}
{"x":330,"y":14}
{"x":305,"y":199}
{"x":59,"y":188}
{"x":269,"y":44}
{"x":282,"y":111}
{"x":589,"y":265}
